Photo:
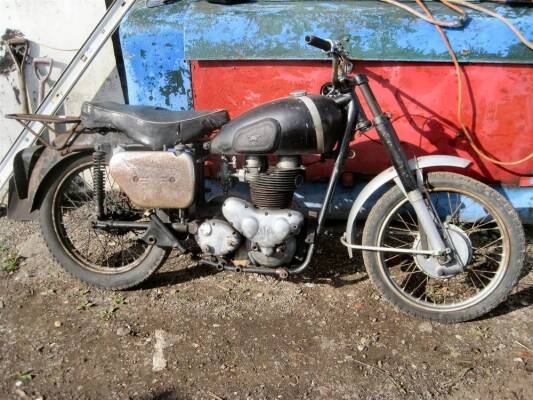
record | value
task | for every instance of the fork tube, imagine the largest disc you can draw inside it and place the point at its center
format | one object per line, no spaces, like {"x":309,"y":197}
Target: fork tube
{"x":388,"y":136}
{"x":337,"y":169}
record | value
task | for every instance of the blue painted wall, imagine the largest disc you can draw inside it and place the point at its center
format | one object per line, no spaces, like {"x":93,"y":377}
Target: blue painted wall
{"x":152,"y":43}
{"x":375,"y":31}
{"x":157,"y":42}
{"x":310,"y":196}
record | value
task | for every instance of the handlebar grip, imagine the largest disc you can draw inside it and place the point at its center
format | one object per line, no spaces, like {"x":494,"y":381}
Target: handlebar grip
{"x":317,"y":42}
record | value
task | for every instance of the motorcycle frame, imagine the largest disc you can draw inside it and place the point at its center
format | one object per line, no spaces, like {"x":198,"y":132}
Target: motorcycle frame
{"x":358,"y":121}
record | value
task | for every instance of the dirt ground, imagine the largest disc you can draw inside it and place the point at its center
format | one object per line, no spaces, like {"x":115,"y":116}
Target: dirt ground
{"x":192,"y":333}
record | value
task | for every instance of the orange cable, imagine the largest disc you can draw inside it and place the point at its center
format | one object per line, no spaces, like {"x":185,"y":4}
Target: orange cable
{"x":459,"y":72}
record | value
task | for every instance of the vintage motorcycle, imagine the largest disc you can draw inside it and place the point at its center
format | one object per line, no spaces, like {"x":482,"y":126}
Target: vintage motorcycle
{"x":126,"y":185}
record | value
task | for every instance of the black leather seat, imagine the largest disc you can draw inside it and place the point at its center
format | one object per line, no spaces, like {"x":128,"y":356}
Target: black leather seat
{"x":152,"y":126}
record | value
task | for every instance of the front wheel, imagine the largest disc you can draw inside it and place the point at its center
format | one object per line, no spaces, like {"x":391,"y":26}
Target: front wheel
{"x":112,"y":259}
{"x":470,"y":210}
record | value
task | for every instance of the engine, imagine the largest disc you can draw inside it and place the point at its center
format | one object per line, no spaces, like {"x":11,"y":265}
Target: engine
{"x":267,"y":223}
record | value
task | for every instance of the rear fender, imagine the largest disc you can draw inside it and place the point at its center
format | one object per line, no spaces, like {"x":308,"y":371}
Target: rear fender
{"x":34,"y":169}
{"x":389,"y":175}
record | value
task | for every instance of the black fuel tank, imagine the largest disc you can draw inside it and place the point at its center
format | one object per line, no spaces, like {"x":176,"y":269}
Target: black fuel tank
{"x":298,"y":124}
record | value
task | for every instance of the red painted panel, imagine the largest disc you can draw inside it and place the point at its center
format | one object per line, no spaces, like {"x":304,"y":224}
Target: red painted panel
{"x":421,"y":97}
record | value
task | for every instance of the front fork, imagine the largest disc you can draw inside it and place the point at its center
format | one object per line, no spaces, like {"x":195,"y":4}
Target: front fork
{"x":428,"y":220}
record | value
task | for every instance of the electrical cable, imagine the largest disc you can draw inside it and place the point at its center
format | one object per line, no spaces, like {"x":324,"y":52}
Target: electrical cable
{"x":51,"y":47}
{"x":457,"y":9}
{"x":459,"y":73}
{"x":479,"y":8}
{"x":458,"y":23}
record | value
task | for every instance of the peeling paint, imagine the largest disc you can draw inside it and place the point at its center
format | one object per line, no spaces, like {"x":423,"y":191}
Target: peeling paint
{"x":7,"y":64}
{"x":174,"y":86}
{"x":152,"y":47}
{"x":420,"y":96}
{"x":376,"y":31}
{"x":158,"y":43}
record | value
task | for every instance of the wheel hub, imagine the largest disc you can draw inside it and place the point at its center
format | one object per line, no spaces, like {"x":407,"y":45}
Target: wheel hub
{"x":461,"y":254}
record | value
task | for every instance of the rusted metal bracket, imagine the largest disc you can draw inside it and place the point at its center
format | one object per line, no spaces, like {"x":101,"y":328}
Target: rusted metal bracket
{"x":64,"y":138}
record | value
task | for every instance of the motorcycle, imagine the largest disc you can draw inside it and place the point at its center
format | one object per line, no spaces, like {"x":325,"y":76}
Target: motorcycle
{"x":126,"y":185}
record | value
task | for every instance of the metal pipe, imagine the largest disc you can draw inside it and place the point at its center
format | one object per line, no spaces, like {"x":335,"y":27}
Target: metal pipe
{"x":121,"y":224}
{"x":337,"y":170}
{"x":387,"y":134}
{"x":389,"y":249}
{"x":398,"y":158}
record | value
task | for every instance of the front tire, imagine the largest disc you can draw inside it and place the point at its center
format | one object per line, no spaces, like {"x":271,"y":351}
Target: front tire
{"x":90,"y":255}
{"x":493,"y":228}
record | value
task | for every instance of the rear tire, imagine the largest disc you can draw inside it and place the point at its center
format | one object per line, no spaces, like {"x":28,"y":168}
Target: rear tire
{"x":509,"y":225}
{"x":70,"y":260}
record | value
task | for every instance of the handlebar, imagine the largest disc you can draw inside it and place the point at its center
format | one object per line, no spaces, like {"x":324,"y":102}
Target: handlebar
{"x":319,"y":43}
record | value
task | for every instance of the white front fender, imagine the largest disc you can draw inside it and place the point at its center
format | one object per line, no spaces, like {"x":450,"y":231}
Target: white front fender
{"x":390,"y":174}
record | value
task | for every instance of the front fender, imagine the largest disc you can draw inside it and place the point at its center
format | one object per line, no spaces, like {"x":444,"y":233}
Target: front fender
{"x":389,"y":175}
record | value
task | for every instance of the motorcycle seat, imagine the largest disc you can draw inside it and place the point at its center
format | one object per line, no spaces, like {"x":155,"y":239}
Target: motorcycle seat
{"x":152,"y":126}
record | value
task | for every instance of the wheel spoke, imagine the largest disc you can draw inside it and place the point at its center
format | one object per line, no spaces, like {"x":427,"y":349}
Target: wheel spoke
{"x":488,"y":246}
{"x":100,"y":250}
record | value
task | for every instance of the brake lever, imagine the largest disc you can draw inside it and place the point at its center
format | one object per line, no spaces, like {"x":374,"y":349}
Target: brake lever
{"x":338,"y":51}
{"x":341,"y":67}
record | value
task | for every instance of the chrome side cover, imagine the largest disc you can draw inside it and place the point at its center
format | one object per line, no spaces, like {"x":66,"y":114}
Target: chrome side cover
{"x":155,"y":179}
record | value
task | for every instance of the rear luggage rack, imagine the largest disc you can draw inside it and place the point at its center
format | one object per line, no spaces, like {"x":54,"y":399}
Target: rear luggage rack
{"x":47,"y":121}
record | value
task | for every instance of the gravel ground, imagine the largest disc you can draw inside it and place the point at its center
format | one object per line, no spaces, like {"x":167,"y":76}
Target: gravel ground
{"x":191,"y":333}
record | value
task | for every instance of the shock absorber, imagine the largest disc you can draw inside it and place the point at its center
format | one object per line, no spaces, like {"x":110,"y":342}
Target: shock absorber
{"x":99,"y":182}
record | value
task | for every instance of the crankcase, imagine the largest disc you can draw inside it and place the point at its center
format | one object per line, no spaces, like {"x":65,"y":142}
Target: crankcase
{"x":264,"y":227}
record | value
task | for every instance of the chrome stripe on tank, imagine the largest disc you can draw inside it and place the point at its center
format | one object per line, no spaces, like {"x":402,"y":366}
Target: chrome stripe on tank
{"x":317,"y":121}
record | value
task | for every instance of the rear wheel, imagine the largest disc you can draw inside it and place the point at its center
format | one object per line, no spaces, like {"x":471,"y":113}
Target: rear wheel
{"x":111,"y":259}
{"x":474,"y":214}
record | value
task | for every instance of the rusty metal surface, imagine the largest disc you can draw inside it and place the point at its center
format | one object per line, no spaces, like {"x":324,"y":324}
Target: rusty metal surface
{"x":49,"y":119}
{"x":422,"y":98}
{"x":51,"y":160}
{"x":155,"y":179}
